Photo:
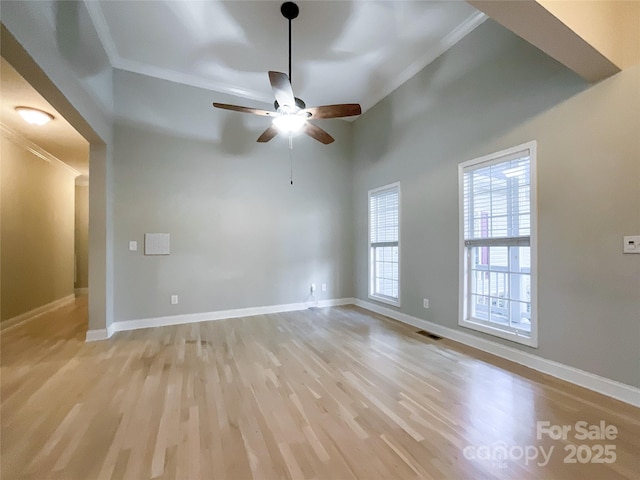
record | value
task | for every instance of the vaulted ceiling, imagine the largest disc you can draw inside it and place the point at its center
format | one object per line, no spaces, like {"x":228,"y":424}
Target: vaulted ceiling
{"x":343,"y":51}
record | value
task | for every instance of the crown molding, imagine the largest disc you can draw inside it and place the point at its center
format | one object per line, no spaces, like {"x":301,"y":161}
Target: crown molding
{"x":104,"y":33}
{"x":461,"y":31}
{"x":38,"y":151}
{"x":191,"y":80}
{"x":102,"y":29}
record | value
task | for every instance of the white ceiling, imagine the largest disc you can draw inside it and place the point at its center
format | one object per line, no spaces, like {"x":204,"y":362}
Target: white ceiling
{"x":348,"y":51}
{"x":343,"y":51}
{"x":58,"y":137}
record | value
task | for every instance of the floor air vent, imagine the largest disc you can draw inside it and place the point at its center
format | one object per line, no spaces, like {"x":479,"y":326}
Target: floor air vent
{"x":430,"y":335}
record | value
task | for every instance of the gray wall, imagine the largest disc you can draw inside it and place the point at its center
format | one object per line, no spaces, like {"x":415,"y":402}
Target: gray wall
{"x":490,"y":92}
{"x":241,"y":235}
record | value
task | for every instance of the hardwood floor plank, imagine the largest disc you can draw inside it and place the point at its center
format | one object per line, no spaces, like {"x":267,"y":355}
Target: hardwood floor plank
{"x":334,"y":393}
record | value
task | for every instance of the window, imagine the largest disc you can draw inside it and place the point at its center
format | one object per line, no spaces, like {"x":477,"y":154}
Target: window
{"x":497,"y":244}
{"x":384,"y":244}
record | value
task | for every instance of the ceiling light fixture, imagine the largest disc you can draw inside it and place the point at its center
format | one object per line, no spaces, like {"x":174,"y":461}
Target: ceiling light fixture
{"x":291,"y":113}
{"x":290,"y":123}
{"x":34,"y":116}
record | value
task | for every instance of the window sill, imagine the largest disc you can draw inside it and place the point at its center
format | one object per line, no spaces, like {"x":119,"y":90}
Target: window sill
{"x":530,"y":341}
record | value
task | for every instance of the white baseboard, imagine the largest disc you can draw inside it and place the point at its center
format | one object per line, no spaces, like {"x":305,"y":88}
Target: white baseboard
{"x":36,"y":312}
{"x":222,"y":315}
{"x":81,"y":291}
{"x":96,"y":335}
{"x":605,"y":386}
{"x":100,"y":334}
{"x":336,"y":302}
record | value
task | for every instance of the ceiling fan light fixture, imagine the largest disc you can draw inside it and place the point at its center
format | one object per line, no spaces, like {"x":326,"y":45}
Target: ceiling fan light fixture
{"x":289,"y":123}
{"x":291,"y":113}
{"x":34,"y":116}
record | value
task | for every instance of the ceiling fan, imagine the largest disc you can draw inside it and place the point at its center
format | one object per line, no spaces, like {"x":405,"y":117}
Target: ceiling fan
{"x":291,"y":114}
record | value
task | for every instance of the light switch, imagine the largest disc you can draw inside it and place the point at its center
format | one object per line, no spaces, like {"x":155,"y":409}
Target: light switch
{"x":133,"y":245}
{"x":631,"y":244}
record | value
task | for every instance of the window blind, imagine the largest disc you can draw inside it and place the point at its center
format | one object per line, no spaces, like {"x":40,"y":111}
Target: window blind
{"x":497,"y":200}
{"x":383,"y":206}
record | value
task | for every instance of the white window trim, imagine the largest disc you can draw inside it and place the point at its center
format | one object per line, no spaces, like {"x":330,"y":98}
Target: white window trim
{"x":463,"y":320}
{"x":372,"y":296}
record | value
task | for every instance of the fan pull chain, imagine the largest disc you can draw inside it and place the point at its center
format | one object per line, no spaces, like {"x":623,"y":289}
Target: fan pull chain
{"x":291,"y":158}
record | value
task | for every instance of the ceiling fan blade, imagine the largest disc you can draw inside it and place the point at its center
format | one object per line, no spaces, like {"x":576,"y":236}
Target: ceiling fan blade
{"x":237,"y":108}
{"x":318,"y":133}
{"x":334,"y":111}
{"x":268,"y":134}
{"x":281,"y":86}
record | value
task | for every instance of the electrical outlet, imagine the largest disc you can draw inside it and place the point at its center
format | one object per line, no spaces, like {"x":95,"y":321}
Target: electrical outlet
{"x":313,"y":287}
{"x":133,"y":245}
{"x":324,"y":287}
{"x":425,"y":303}
{"x":174,"y":299}
{"x":631,"y":244}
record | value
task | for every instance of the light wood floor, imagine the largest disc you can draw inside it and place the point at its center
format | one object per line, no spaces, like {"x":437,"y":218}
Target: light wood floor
{"x":333,"y":393}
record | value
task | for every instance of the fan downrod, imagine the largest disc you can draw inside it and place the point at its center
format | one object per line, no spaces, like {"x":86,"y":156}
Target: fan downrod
{"x":299,"y":103}
{"x":289,"y":10}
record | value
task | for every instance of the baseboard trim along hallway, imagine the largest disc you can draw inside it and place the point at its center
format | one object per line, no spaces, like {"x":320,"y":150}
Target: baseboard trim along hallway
{"x":36,"y":312}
